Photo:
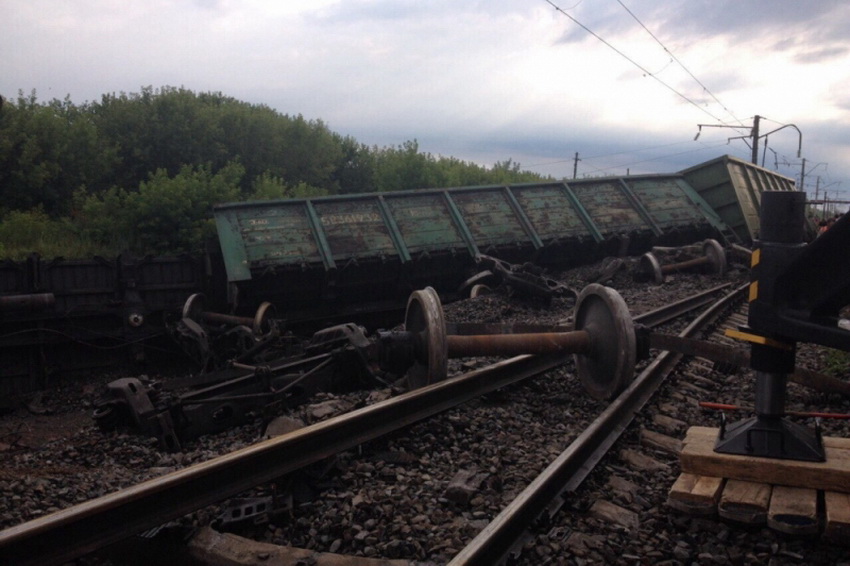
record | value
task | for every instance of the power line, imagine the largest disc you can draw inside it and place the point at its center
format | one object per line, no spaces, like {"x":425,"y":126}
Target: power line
{"x":638,"y":150}
{"x":621,"y":166}
{"x":570,"y":160}
{"x":632,"y":61}
{"x":676,"y":59}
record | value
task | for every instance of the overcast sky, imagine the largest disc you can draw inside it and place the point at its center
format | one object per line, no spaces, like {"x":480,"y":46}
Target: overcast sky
{"x":480,"y":81}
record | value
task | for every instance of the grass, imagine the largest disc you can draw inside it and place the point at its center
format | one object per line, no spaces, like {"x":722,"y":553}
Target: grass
{"x":24,"y":233}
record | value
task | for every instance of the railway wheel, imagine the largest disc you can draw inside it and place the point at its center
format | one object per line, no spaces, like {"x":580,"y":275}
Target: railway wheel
{"x":716,"y":256}
{"x":609,"y":367}
{"x":424,"y":320}
{"x":263,"y":320}
{"x":193,"y":308}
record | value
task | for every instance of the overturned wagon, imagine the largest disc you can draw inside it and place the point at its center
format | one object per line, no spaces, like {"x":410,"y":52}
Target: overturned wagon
{"x":343,"y":255}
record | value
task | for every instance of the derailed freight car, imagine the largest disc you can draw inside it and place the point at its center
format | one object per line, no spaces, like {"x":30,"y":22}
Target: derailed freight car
{"x":343,"y":257}
{"x":733,"y":188}
{"x":330,"y":256}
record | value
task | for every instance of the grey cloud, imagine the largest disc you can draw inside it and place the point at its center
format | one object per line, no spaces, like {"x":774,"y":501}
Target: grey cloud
{"x":821,"y":55}
{"x":732,"y":17}
{"x":208,"y":4}
{"x":814,"y":22}
{"x":378,"y":11}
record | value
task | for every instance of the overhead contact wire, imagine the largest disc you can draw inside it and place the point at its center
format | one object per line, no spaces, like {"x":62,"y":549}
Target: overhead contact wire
{"x":682,"y":65}
{"x":632,"y":61}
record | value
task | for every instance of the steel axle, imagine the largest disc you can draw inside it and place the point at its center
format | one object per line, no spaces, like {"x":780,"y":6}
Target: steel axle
{"x":577,"y":342}
{"x":260,"y":323}
{"x":603,"y":341}
{"x":714,"y":256}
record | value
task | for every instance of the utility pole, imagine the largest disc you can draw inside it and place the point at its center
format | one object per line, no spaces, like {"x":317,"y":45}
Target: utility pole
{"x":755,"y":137}
{"x":575,"y":165}
{"x":803,"y":176}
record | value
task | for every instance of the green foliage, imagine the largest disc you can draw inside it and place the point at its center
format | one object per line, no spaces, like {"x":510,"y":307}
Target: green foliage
{"x":837,"y":362}
{"x":104,"y":219}
{"x":47,"y":152}
{"x":267,"y":187}
{"x":404,"y":168}
{"x":141,"y":171}
{"x":166,"y":215}
{"x":20,"y":230}
{"x":171,"y":127}
{"x":33,"y":231}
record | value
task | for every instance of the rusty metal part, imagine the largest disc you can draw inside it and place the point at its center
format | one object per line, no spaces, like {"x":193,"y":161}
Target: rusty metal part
{"x":472,"y":328}
{"x":577,"y":342}
{"x":69,"y":533}
{"x":714,"y":257}
{"x":261,"y":323}
{"x":607,"y":367}
{"x":424,"y":320}
{"x":602,"y":341}
{"x":335,"y":359}
{"x":526,"y":279}
{"x":30,"y":302}
{"x":214,"y":339}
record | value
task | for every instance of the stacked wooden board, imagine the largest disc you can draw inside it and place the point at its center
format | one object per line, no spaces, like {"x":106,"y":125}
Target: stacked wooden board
{"x":802,"y":498}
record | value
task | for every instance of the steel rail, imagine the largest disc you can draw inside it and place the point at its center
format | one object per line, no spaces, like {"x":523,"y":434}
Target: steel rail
{"x":651,"y":318}
{"x":674,"y":310}
{"x":503,"y":535}
{"x":87,"y":527}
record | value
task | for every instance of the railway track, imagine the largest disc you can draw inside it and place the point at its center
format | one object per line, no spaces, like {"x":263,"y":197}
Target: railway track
{"x":85,"y":528}
{"x":545,"y":495}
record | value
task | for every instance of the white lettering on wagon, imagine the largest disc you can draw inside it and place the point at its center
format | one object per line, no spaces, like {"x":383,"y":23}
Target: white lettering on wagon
{"x":352,"y":218}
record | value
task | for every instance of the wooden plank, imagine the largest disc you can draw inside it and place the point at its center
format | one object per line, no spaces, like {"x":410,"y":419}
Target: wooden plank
{"x":698,"y":457}
{"x":695,"y":495}
{"x":745,"y":502}
{"x":794,"y":510}
{"x":837,"y":512}
{"x":610,"y":513}
{"x":225,"y":549}
{"x":669,"y":424}
{"x":660,"y":441}
{"x":703,"y":432}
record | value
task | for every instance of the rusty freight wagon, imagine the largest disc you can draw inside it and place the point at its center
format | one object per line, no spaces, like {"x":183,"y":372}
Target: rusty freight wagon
{"x":733,"y":187}
{"x":345,"y":254}
{"x":344,"y":257}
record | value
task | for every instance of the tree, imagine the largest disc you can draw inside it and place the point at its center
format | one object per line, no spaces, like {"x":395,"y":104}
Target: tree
{"x":142,"y":170}
{"x":47,"y":151}
{"x":166,"y":214}
{"x":404,"y":167}
{"x":355,"y":172}
{"x":268,"y":187}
